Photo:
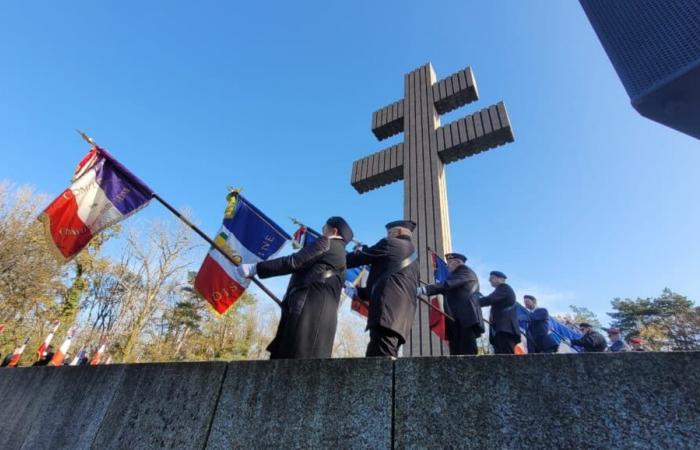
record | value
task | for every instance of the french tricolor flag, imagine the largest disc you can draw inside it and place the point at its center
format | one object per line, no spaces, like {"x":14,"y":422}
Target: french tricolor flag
{"x":60,"y":355}
{"x":248,"y":236}
{"x":102,"y":193}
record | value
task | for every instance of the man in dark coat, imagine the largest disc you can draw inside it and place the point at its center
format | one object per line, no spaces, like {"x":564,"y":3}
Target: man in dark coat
{"x":539,"y":335}
{"x":391,"y":287}
{"x":505,"y":332}
{"x":591,"y":341}
{"x":310,"y":305}
{"x":461,"y":295}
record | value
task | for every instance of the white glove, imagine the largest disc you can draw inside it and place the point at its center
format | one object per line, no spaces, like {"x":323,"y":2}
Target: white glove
{"x":247,"y":270}
{"x":421,"y":291}
{"x":351,"y":292}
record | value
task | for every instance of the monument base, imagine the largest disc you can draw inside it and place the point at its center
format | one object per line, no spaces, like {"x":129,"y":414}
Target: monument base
{"x":630,"y":400}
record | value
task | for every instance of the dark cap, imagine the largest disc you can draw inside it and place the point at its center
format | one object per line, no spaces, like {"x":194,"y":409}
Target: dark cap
{"x":636,"y":340}
{"x":458,"y":256}
{"x":498,"y":273}
{"x":411,"y":225}
{"x":344,"y":229}
{"x":584,"y":325}
{"x":612,"y":331}
{"x":531,"y":297}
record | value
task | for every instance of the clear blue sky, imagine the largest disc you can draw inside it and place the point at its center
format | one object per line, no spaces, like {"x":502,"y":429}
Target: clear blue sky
{"x":591,"y":202}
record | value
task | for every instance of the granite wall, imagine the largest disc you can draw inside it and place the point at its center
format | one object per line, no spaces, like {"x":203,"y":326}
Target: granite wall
{"x":633,"y":400}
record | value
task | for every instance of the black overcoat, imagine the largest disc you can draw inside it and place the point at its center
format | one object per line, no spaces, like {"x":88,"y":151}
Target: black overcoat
{"x":391,"y":293}
{"x":461,"y":293}
{"x":503,"y":318}
{"x":310,"y":305}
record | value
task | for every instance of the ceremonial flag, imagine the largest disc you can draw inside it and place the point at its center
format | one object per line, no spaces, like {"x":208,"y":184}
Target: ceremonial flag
{"x":560,"y":332}
{"x":17,"y":354}
{"x":304,"y":236}
{"x":45,"y":345}
{"x":354,"y":278}
{"x":97,"y":356}
{"x":248,"y":236}
{"x":102,"y":193}
{"x":80,"y":355}
{"x":437,"y":320}
{"x":58,"y":357}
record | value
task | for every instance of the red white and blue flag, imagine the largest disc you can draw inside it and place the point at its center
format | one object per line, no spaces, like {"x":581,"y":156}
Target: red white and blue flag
{"x":98,"y":355}
{"x":60,"y":355}
{"x":437,"y":320}
{"x":45,"y":345}
{"x":248,"y":236}
{"x":17,"y":354}
{"x":102,"y":193}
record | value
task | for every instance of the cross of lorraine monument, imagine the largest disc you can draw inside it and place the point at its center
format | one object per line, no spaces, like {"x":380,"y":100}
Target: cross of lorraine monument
{"x":419,"y":160}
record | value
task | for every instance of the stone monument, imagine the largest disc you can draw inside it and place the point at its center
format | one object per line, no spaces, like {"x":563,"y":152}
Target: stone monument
{"x":420,"y":159}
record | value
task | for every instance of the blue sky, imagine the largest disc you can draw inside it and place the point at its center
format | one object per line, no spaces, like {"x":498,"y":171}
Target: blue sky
{"x":591,"y":202}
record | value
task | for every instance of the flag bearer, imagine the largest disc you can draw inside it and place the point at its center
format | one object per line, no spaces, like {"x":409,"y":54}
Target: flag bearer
{"x":310,"y":305}
{"x":461,"y":293}
{"x":391,"y":287}
{"x":505,"y":331}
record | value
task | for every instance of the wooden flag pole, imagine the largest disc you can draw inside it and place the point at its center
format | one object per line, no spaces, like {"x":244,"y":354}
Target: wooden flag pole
{"x":194,"y":228}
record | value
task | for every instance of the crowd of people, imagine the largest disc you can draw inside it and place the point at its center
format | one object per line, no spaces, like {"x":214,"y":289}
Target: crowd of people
{"x":310,"y":305}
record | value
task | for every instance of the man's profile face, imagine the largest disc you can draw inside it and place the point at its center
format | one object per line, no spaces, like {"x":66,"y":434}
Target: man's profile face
{"x":453,"y":263}
{"x":494,"y":280}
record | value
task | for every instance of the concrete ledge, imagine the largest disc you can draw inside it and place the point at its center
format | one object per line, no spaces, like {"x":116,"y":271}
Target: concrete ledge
{"x":632,"y":400}
{"x":162,"y":405}
{"x":308,"y":403}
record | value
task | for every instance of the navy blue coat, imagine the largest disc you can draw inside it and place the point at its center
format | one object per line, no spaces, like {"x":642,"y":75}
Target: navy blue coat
{"x":539,"y":336}
{"x":503,"y":318}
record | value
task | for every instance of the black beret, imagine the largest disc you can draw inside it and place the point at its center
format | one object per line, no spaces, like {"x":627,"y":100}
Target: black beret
{"x":344,"y":229}
{"x":585,"y":325}
{"x":499,"y":274}
{"x":531,"y":297}
{"x":411,"y":225}
{"x":458,"y":256}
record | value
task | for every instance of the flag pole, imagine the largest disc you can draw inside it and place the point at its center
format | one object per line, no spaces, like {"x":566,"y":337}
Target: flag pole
{"x":194,"y":228}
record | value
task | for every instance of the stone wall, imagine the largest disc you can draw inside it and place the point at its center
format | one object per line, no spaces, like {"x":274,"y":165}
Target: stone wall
{"x":633,"y":400}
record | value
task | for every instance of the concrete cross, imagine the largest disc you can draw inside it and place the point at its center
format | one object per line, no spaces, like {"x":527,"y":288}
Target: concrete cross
{"x":419,"y":160}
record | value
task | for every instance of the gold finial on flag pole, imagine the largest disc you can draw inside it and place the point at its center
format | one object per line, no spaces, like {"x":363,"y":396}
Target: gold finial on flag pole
{"x":86,"y":138}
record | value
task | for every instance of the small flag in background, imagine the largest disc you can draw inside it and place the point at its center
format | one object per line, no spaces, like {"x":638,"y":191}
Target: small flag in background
{"x":17,"y":354}
{"x":437,"y":320}
{"x":45,"y":345}
{"x":355,"y":278}
{"x":248,"y":236}
{"x":304,"y":236}
{"x":60,"y":355}
{"x":98,"y":355}
{"x":102,"y":193}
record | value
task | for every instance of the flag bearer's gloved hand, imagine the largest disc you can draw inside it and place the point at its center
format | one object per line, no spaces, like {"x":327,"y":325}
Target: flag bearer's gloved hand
{"x":247,"y":270}
{"x":420,"y":291}
{"x":351,"y":292}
